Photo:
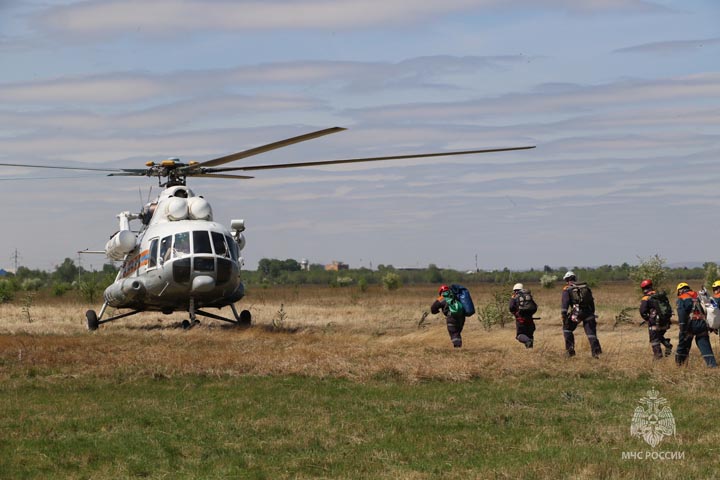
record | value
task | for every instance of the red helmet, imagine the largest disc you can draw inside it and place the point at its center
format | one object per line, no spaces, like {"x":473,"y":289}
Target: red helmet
{"x":443,"y":288}
{"x":646,"y":283}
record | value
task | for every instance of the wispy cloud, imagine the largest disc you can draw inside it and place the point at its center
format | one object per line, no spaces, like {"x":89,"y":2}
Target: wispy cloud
{"x":671,"y":46}
{"x":172,"y":17}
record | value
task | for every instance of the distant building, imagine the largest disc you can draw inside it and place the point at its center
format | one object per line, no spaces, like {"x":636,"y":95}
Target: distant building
{"x":3,"y":272}
{"x":304,"y":264}
{"x":337,"y":266}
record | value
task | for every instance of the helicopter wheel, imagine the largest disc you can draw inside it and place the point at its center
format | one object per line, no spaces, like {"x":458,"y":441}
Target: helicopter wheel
{"x":245,"y":318}
{"x":92,"y":320}
{"x":186,"y":324}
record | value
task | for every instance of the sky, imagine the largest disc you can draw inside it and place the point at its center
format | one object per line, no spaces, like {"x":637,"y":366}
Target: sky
{"x":620,"y":97}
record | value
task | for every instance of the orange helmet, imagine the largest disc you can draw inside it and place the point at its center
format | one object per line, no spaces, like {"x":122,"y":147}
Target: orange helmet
{"x":443,"y":288}
{"x":646,"y":283}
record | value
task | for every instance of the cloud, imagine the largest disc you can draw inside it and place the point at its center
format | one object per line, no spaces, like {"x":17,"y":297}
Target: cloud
{"x":554,"y":98}
{"x":671,"y":47}
{"x":175,"y":17}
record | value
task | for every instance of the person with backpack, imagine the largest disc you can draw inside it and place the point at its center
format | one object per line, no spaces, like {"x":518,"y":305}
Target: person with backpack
{"x":577,"y":305}
{"x":454,"y":313}
{"x":655,"y":309}
{"x":692,"y":323}
{"x":523,"y":307}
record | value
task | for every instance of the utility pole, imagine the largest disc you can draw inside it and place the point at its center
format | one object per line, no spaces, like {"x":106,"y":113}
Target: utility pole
{"x":15,"y":256}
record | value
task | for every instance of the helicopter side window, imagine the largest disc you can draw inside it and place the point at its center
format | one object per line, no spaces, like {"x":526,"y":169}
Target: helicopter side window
{"x":152,"y":256}
{"x":201,"y":242}
{"x":232,"y":244}
{"x":165,"y":249}
{"x":219,"y":243}
{"x":182,"y":244}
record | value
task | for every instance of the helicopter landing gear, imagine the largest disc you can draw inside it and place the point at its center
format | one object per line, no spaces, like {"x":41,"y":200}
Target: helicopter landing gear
{"x":92,"y":320}
{"x":188,"y":324}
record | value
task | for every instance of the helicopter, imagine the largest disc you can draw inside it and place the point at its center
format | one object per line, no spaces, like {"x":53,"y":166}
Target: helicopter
{"x":180,"y":259}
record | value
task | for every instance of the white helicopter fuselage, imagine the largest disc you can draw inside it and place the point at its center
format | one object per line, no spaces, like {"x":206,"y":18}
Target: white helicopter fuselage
{"x":179,"y":256}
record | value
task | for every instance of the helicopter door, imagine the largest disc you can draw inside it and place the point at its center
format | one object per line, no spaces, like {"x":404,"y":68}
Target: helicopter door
{"x":165,"y":249}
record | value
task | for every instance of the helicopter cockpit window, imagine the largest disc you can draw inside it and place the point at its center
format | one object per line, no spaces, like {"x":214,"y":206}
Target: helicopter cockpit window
{"x":152,"y":256}
{"x":219,"y":243}
{"x":182,"y":244}
{"x":165,"y":249}
{"x":201,"y":242}
{"x":233,"y":247}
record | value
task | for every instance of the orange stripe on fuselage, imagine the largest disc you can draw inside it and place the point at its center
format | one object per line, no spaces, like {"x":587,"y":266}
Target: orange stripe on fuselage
{"x":131,"y":266}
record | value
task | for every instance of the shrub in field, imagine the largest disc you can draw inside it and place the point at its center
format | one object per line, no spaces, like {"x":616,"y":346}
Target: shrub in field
{"x":27,"y":304}
{"x":711,"y":274}
{"x":363,"y":284}
{"x":278,"y":321}
{"x":391,"y":281}
{"x":496,"y":312}
{"x":89,"y":288}
{"x":652,"y":268}
{"x":61,"y":288}
{"x":548,"y":281}
{"x":32,"y":284}
{"x":7,"y":292}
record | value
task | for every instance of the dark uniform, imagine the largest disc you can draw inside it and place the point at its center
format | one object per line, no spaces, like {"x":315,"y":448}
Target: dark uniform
{"x":574,"y":314}
{"x":692,"y":327}
{"x":455,"y":323}
{"x":524,"y":324}
{"x":655,"y":331}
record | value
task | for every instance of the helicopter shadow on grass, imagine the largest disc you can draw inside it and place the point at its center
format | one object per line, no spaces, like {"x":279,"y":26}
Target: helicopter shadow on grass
{"x":208,"y":326}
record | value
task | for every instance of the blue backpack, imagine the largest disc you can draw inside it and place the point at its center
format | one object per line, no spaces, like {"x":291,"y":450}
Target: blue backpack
{"x":463,"y":295}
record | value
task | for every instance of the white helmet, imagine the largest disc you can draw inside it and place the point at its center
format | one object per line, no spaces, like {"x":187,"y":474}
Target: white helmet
{"x":518,"y":286}
{"x":569,"y":274}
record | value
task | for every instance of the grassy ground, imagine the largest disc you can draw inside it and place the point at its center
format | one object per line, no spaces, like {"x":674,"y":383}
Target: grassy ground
{"x":349,"y":387}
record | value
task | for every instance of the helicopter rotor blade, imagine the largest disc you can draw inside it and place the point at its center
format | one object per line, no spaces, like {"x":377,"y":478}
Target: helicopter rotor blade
{"x":128,"y":172}
{"x":367,"y":159}
{"x":270,"y":146}
{"x":220,"y":175}
{"x":59,"y":168}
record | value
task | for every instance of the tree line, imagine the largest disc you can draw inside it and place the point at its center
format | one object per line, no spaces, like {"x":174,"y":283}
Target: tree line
{"x":68,"y":277}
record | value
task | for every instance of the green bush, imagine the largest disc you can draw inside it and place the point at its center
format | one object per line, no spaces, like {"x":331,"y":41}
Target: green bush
{"x":32,"y":284}
{"x":7,"y":292}
{"x":391,"y":281}
{"x":61,"y":288}
{"x":548,"y":281}
{"x":652,"y":268}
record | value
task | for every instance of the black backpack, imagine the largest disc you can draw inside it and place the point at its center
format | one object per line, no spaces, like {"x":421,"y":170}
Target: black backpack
{"x":526,"y":303}
{"x":661,"y":304}
{"x":581,"y":295}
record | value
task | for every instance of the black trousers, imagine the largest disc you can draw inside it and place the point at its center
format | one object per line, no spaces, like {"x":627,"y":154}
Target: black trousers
{"x":657,"y":339}
{"x":590,"y":326}
{"x":524,"y":329}
{"x":455,"y":328}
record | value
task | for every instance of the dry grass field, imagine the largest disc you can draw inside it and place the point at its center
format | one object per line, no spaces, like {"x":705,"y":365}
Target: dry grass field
{"x":338,"y":383}
{"x":332,"y":332}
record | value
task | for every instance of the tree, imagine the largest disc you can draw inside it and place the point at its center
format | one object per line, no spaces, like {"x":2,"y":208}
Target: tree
{"x":66,"y":271}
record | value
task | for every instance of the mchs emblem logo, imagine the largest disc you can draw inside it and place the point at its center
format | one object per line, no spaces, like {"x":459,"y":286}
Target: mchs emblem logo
{"x":653,"y":422}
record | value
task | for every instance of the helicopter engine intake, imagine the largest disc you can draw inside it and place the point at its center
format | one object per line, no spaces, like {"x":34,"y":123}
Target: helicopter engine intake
{"x":119,"y":293}
{"x":199,"y":209}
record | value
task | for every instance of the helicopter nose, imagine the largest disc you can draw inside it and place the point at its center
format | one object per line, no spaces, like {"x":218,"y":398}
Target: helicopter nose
{"x":202,"y":283}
